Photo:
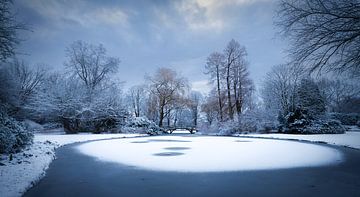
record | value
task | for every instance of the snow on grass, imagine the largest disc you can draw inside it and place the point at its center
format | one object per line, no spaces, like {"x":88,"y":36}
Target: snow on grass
{"x":29,"y":166}
{"x":73,"y":138}
{"x":210,"y":154}
{"x":348,"y":139}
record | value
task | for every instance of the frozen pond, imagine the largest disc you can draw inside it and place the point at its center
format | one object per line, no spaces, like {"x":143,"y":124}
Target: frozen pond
{"x":210,"y":154}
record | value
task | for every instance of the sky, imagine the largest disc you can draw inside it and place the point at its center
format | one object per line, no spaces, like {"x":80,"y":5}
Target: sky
{"x":149,"y":34}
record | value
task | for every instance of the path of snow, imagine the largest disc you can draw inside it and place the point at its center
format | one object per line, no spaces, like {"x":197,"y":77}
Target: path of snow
{"x":210,"y":154}
{"x":349,"y":139}
{"x":29,"y":166}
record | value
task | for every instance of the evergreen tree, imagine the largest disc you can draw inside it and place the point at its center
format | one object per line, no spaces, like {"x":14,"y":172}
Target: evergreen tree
{"x":310,"y":98}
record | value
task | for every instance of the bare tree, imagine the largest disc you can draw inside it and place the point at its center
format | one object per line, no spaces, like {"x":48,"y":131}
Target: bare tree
{"x":280,"y":88}
{"x":28,"y":78}
{"x":208,"y":109}
{"x":137,"y":95}
{"x":90,"y":64}
{"x":194,"y":105}
{"x":214,"y":67}
{"x":166,"y":86}
{"x":20,"y":81}
{"x":243,"y":86}
{"x":233,"y":53}
{"x":325,"y":33}
{"x":335,"y":91}
{"x":8,"y":30}
{"x":233,"y":85}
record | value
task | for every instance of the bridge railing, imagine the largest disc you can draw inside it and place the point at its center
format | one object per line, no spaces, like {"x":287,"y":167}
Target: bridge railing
{"x":172,"y":129}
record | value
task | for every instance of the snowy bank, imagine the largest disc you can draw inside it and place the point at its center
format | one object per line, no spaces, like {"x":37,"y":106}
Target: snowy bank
{"x":348,"y":139}
{"x":27,"y":167}
{"x":210,"y":154}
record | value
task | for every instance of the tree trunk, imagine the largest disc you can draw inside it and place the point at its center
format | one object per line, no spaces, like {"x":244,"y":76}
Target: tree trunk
{"x":161,"y":118}
{"x":237,"y":100}
{"x":219,"y":93}
{"x":229,"y":93}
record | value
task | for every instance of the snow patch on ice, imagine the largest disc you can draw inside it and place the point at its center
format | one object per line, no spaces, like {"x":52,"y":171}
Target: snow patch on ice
{"x":211,"y":154}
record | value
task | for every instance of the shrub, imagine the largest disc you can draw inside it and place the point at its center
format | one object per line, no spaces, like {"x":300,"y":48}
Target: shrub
{"x":324,"y":127}
{"x":32,"y":126}
{"x":298,"y":122}
{"x":95,"y":120}
{"x":230,"y":127}
{"x":13,"y":136}
{"x":141,"y":125}
{"x":346,"y":119}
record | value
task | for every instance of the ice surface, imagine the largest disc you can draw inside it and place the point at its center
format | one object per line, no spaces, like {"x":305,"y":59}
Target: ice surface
{"x":29,"y":166}
{"x":210,"y":154}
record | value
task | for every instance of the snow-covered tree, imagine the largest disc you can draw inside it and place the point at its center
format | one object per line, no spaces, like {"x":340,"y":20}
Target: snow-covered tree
{"x":165,"y":87}
{"x":310,"y":99}
{"x":96,"y":105}
{"x":90,"y":64}
{"x":214,"y":67}
{"x":136,"y":98}
{"x":279,"y":89}
{"x":19,"y":82}
{"x":229,"y":74}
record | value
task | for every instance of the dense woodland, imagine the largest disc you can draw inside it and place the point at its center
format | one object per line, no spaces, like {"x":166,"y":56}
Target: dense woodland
{"x":317,"y":91}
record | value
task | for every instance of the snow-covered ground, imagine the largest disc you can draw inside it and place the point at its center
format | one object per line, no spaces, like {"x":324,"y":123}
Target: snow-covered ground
{"x":210,"y":153}
{"x":29,"y":166}
{"x":348,"y":139}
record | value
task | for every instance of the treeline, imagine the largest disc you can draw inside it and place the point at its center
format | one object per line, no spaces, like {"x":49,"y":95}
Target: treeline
{"x":88,"y":97}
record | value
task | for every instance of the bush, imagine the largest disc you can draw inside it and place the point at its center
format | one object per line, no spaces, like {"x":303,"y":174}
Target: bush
{"x":141,"y":125}
{"x":324,"y":127}
{"x":346,"y":119}
{"x":95,"y":120}
{"x":298,"y":122}
{"x":13,"y":136}
{"x":358,"y":123}
{"x":230,"y":127}
{"x":32,"y":126}
{"x":295,"y":122}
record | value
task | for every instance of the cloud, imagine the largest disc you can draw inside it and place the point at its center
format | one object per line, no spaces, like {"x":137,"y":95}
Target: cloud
{"x":200,"y":15}
{"x":78,"y":12}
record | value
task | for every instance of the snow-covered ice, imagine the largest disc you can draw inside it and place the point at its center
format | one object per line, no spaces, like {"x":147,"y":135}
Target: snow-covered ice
{"x":348,"y":139}
{"x":29,"y":166}
{"x":210,"y":154}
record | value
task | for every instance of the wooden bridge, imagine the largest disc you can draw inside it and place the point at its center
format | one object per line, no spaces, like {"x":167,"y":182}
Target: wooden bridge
{"x":192,"y":130}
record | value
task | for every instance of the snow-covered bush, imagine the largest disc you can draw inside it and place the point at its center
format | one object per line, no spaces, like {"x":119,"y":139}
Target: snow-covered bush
{"x":324,"y":127}
{"x":13,"y":136}
{"x":298,"y":122}
{"x":52,"y":125}
{"x":141,"y":125}
{"x":206,"y":128}
{"x":346,"y":119}
{"x":229,"y":127}
{"x":94,"y":119}
{"x":32,"y":126}
{"x":358,"y":123}
{"x":257,"y":121}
